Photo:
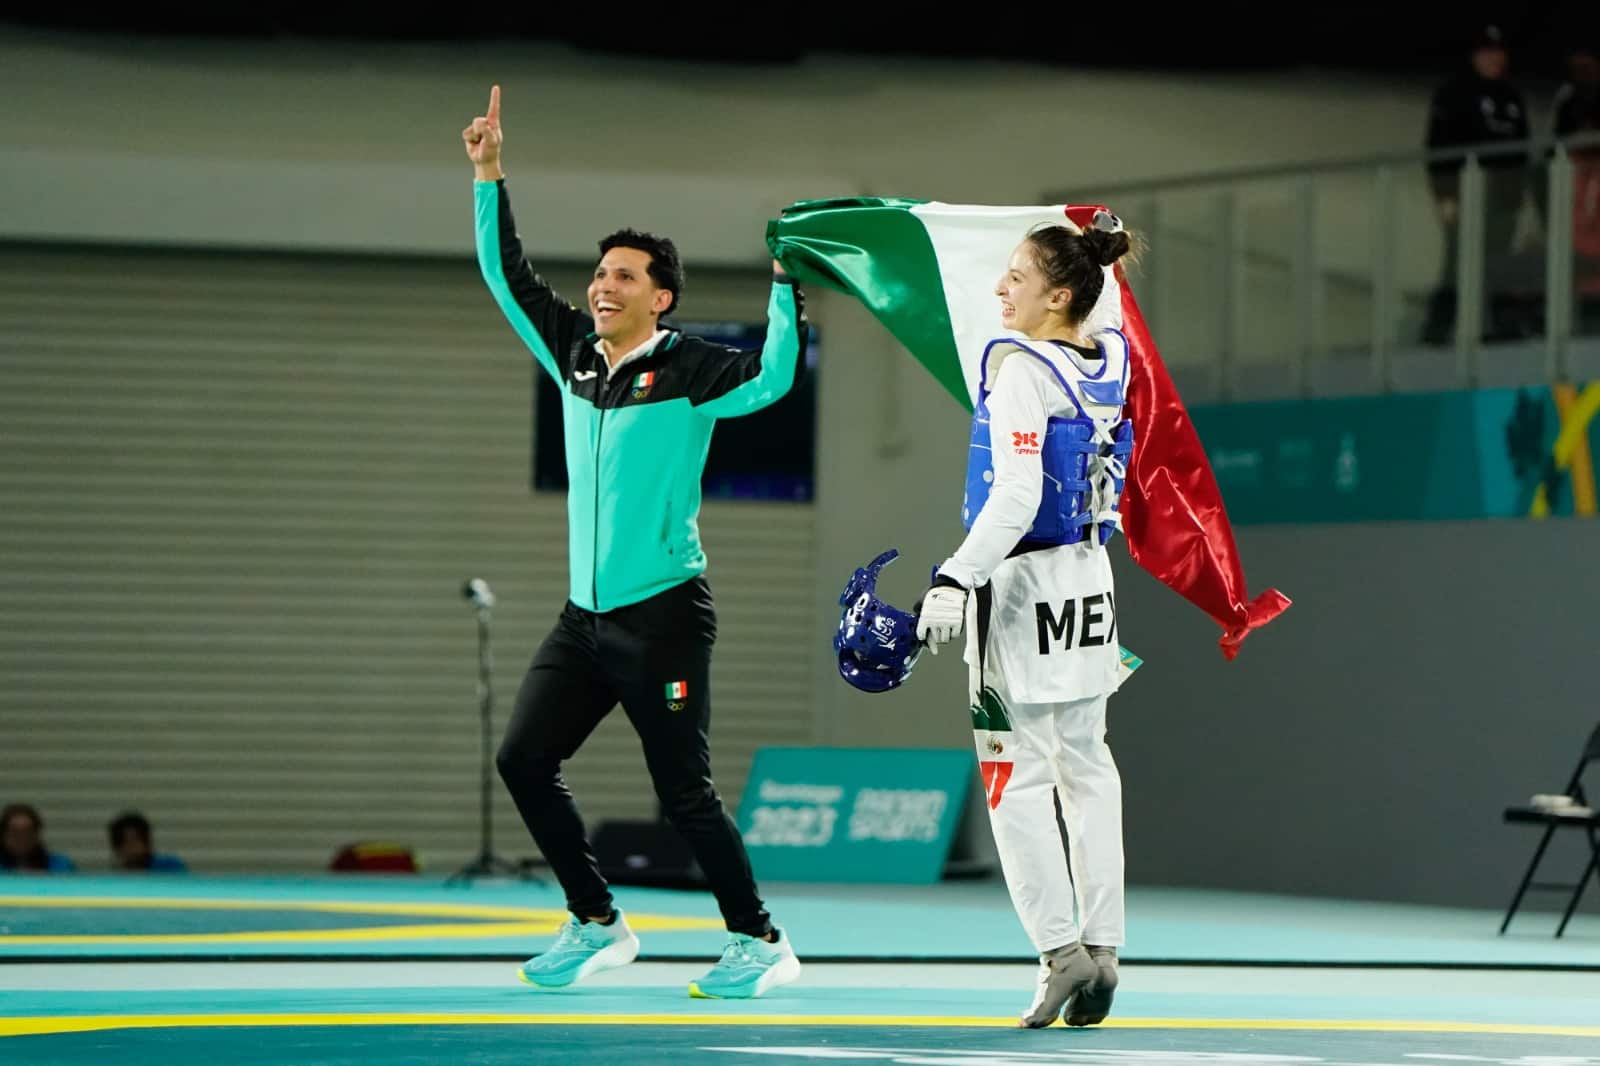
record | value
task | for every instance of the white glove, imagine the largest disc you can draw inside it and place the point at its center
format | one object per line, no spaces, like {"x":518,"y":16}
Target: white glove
{"x":944,"y":611}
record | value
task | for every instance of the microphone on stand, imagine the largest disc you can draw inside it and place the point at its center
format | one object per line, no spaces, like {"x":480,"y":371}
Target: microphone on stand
{"x":476,"y":591}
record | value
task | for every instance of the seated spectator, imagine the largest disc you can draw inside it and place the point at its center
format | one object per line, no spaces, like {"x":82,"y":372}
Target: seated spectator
{"x":133,"y":851}
{"x":22,"y":845}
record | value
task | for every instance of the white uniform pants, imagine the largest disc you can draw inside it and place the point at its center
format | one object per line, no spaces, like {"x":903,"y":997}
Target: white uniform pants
{"x":1031,"y":754}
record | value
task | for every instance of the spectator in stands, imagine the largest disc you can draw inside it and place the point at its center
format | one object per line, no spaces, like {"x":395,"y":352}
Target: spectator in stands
{"x":132,"y":849}
{"x":1577,"y":112}
{"x":1577,"y":102}
{"x":1572,"y":111}
{"x":22,"y":846}
{"x":1477,"y":106}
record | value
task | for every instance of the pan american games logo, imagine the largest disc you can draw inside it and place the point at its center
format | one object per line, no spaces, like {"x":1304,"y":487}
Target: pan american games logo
{"x":798,"y":815}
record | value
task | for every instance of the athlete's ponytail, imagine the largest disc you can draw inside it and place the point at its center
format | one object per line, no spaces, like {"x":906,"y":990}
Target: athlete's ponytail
{"x":1105,"y":247}
{"x":1076,"y":260}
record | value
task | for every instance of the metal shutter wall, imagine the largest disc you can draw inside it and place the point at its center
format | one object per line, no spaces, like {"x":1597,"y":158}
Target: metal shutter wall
{"x":238,"y":497}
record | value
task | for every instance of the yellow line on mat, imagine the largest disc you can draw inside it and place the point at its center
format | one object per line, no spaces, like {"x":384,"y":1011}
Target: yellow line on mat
{"x":495,"y":921}
{"x":173,"y":903}
{"x":93,"y":1023}
{"x":360,"y":935}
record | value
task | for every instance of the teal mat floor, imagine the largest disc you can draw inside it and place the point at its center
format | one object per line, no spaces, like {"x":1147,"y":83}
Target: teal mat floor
{"x":327,"y":971}
{"x":782,"y":1045}
{"x":178,"y":1014}
{"x":367,"y":917}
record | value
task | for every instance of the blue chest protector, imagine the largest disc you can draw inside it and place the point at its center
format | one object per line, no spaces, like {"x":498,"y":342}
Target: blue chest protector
{"x":1085,"y":463}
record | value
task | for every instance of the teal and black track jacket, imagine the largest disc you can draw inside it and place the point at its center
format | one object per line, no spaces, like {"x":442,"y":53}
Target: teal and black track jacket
{"x":636,"y":445}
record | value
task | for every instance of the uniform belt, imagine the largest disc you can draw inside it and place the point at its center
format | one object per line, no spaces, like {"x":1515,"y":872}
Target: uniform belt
{"x":1025,"y":546}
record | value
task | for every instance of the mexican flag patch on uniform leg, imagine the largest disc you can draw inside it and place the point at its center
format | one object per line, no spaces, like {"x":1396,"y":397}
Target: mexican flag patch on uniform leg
{"x":677,"y":690}
{"x":991,"y":731}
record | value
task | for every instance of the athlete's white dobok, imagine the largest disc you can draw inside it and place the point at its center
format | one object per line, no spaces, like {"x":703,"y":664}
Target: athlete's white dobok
{"x":1042,"y":646}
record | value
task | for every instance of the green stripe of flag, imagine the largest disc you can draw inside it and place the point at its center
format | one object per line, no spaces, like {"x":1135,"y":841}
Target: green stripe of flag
{"x":876,"y":250}
{"x":926,"y":270}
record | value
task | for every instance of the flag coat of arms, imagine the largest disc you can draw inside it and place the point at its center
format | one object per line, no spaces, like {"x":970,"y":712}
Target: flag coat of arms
{"x":996,"y":743}
{"x":927,"y":270}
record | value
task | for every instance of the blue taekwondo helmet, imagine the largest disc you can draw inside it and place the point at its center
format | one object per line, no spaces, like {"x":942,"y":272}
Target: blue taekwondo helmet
{"x":877,"y":643}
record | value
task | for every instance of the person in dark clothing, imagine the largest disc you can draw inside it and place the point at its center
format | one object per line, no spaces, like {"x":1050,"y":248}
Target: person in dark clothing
{"x":1575,"y":109}
{"x":640,"y":401}
{"x":1577,"y":113}
{"x":1577,"y":101}
{"x":22,"y":844}
{"x":1478,"y":106}
{"x":133,"y":847}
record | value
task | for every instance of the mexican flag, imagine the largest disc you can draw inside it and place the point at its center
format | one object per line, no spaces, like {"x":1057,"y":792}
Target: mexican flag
{"x":927,"y":271}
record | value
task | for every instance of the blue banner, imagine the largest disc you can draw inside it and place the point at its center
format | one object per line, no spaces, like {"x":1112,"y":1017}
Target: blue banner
{"x":1485,"y":453}
{"x":853,"y":814}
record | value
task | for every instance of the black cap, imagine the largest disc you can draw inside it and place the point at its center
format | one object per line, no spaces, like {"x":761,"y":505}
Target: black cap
{"x":1488,"y":37}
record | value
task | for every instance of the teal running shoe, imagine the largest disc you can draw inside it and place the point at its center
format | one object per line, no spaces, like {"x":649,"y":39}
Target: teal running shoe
{"x":582,"y":949}
{"x":749,"y":967}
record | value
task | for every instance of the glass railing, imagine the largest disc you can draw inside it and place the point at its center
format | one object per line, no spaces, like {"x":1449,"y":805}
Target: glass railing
{"x":1348,"y":276}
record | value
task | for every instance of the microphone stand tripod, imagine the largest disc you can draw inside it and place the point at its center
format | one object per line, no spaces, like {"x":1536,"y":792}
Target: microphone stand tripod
{"x":487,"y":863}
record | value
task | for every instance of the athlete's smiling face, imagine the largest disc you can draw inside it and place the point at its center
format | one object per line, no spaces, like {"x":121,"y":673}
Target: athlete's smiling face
{"x":1028,"y":303}
{"x":623,"y":298}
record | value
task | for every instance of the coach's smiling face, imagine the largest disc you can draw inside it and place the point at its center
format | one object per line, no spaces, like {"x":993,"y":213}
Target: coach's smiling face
{"x":623,"y":298}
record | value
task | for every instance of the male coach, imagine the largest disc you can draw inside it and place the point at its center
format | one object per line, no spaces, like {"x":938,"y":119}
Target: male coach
{"x":639,"y":402}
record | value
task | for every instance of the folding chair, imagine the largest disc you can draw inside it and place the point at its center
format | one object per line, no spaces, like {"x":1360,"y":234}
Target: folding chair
{"x":1552,"y":819}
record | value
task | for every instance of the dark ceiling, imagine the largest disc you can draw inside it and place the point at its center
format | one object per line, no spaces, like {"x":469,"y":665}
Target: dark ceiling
{"x":1379,"y":39}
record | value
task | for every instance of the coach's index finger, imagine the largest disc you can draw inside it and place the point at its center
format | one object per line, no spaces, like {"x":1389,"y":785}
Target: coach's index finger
{"x":494,"y":106}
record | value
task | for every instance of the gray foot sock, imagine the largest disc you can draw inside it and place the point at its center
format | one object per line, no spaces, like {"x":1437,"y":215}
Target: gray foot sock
{"x":1062,"y":973}
{"x":1091,"y":1005}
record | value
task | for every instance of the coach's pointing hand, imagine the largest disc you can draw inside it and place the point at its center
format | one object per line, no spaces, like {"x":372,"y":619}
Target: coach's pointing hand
{"x":483,"y":140}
